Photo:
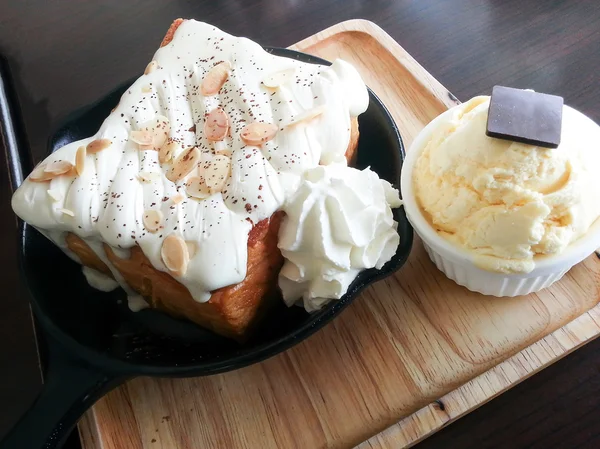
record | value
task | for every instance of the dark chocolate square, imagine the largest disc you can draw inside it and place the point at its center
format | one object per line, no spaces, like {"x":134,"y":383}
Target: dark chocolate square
{"x":525,"y":116}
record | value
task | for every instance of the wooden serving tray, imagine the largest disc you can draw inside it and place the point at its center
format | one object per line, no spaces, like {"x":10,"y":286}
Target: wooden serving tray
{"x":414,"y":353}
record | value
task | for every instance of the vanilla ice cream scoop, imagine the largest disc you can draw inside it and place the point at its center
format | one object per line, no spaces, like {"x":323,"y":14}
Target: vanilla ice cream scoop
{"x":338,"y":223}
{"x":508,"y":203}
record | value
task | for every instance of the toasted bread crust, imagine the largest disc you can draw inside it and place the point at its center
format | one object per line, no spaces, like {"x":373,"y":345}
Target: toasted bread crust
{"x":230,"y":311}
{"x":171,"y":32}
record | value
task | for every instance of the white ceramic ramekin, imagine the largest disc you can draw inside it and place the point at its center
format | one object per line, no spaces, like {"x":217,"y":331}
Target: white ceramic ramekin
{"x":457,"y":263}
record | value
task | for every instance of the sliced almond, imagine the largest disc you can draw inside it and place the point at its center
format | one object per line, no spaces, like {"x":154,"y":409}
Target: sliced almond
{"x":216,"y":125}
{"x":55,"y":195}
{"x":217,"y":172}
{"x":142,"y":136}
{"x":258,"y":133}
{"x":46,"y":172}
{"x":58,"y":168}
{"x":153,"y":134}
{"x":152,"y":220}
{"x":215,"y":78}
{"x":165,"y":154}
{"x":42,"y":178}
{"x":184,"y":164}
{"x":224,"y":152}
{"x":278,"y":78}
{"x":197,"y":188}
{"x":98,"y":145}
{"x":161,"y":129}
{"x":148,"y":177}
{"x":80,"y":160}
{"x":177,"y":198}
{"x":192,"y":248}
{"x":68,"y":212}
{"x":146,"y":89}
{"x":175,"y":255}
{"x":151,"y":67}
{"x":39,"y":175}
{"x":163,"y":125}
{"x":306,"y":115}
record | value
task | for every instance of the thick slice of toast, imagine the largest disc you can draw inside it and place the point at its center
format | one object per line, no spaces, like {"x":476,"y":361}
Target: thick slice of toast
{"x":231,"y":311}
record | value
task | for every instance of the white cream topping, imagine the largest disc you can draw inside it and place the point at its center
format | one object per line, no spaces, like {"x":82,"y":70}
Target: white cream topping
{"x":98,"y":280}
{"x":107,"y":201}
{"x":337,"y":224}
{"x":137,"y":303}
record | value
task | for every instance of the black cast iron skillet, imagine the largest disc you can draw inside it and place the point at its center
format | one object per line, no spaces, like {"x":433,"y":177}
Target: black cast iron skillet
{"x":94,"y":342}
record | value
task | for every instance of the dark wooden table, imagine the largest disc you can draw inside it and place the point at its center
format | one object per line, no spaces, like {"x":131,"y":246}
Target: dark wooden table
{"x":66,"y":54}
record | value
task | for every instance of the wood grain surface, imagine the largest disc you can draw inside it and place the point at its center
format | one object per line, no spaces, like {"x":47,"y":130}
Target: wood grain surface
{"x":408,"y":346}
{"x":58,"y":52}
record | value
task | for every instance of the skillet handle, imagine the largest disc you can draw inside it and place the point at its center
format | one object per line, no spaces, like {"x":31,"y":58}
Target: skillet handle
{"x":12,"y":130}
{"x":70,"y":388}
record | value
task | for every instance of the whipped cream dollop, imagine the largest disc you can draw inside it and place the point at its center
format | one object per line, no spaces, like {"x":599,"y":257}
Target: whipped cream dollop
{"x":124,"y":191}
{"x":338,"y":223}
